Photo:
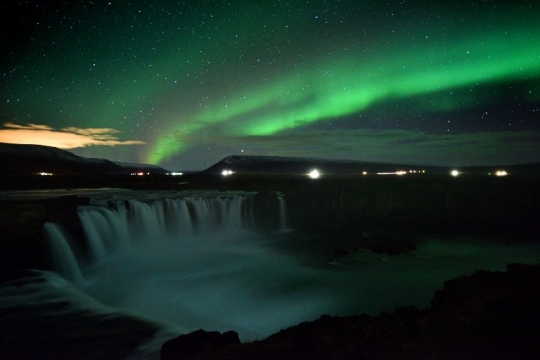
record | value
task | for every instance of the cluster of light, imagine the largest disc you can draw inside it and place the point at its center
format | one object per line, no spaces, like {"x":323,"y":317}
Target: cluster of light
{"x":175,"y":173}
{"x":364,"y":172}
{"x":454,"y":173}
{"x":226,"y":172}
{"x":314,"y":174}
{"x":45,"y":174}
{"x":501,"y":173}
{"x":140,"y":173}
{"x":401,"y":172}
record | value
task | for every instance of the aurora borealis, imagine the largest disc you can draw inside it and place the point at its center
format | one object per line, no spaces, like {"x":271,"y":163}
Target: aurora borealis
{"x":184,"y":84}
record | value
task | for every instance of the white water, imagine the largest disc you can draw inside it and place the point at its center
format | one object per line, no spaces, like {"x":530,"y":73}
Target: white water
{"x":283,"y":215}
{"x":195,"y":263}
{"x":64,"y":260}
{"x":44,"y":316}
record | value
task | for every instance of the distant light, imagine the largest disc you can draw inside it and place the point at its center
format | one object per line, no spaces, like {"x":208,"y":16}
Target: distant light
{"x":454,"y":173}
{"x":400,"y":172}
{"x":176,"y":174}
{"x":45,"y":174}
{"x":314,"y":174}
{"x":501,"y":173}
{"x":226,"y":172}
{"x":364,"y":172}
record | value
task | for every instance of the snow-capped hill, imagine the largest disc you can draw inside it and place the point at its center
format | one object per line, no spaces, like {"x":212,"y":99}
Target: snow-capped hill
{"x":281,"y":165}
{"x":154,"y":169}
{"x":247,"y":159}
{"x":17,"y":159}
{"x":244,"y":160}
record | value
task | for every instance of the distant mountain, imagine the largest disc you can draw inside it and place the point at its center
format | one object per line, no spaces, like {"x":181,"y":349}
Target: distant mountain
{"x":16,"y":159}
{"x":277,"y":165}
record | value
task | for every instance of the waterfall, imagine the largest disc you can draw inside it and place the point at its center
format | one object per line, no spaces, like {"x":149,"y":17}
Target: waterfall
{"x":164,"y":220}
{"x":177,"y":217}
{"x":283,"y":215}
{"x":194,"y":271}
{"x":145,"y":219}
{"x":95,"y":225}
{"x":104,"y":228}
{"x":64,"y":260}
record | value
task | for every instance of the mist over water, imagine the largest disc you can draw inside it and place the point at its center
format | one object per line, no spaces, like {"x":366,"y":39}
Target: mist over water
{"x":218,"y":275}
{"x":198,"y":263}
{"x":217,"y":282}
{"x":248,"y":285}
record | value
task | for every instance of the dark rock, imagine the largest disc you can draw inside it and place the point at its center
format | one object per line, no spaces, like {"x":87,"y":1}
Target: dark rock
{"x":199,"y":344}
{"x":21,"y":245}
{"x":487,"y":315}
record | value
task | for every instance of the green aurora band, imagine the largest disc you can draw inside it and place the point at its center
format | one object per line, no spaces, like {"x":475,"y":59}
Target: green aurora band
{"x":197,"y":81}
{"x":336,"y":87}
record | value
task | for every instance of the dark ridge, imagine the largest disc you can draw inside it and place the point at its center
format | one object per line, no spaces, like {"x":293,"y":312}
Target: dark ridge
{"x":17,"y":159}
{"x":278,"y":165}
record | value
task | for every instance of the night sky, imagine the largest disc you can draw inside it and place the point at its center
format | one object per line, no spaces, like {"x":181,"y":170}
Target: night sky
{"x":183,"y":84}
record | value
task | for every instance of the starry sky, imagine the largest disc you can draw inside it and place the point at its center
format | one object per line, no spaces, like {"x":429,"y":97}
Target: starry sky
{"x":183,"y":84}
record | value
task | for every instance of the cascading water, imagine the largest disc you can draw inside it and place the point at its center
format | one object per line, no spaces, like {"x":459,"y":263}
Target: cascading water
{"x":130,"y":242}
{"x":194,"y":262}
{"x":283,"y":215}
{"x":129,"y":221}
{"x":63,"y":258}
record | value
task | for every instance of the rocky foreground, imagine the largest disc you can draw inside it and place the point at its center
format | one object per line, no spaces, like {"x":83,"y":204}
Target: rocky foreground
{"x":487,"y":315}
